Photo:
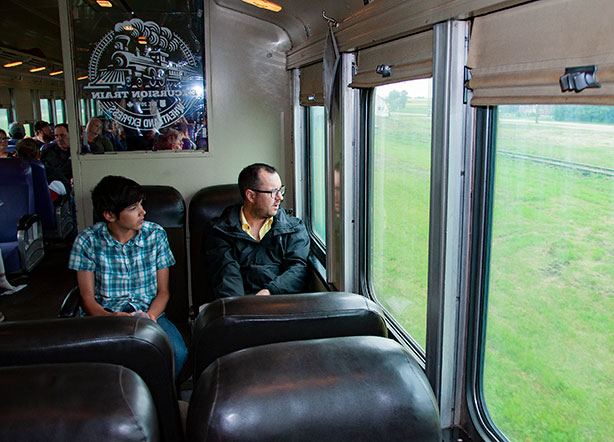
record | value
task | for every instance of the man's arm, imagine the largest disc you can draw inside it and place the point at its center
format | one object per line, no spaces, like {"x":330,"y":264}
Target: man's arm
{"x":293,"y":279}
{"x":158,"y":304}
{"x":222,"y":267}
{"x":89,"y":305}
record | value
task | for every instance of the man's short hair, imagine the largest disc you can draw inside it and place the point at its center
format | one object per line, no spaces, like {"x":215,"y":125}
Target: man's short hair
{"x":249,"y":178}
{"x":16,"y":130}
{"x":64,"y":125}
{"x":113,"y":194}
{"x":27,"y":149}
{"x":40,"y":125}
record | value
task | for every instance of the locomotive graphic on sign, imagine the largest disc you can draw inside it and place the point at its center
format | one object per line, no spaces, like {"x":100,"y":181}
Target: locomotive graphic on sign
{"x":144,"y":75}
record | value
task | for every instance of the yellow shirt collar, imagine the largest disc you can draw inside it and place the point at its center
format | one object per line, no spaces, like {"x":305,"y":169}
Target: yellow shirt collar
{"x":263,"y":230}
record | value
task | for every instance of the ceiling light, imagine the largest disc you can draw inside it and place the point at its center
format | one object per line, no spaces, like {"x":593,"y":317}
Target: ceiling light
{"x":142,"y":40}
{"x":128,"y":28}
{"x":104,"y":3}
{"x":82,"y":78}
{"x":264,"y":4}
{"x":42,"y":68}
{"x":56,"y":73}
{"x":13,"y":64}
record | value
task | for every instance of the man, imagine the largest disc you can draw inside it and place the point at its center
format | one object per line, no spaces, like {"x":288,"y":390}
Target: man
{"x":42,"y":132}
{"x":28,"y":150}
{"x":257,"y":248}
{"x":56,"y":157}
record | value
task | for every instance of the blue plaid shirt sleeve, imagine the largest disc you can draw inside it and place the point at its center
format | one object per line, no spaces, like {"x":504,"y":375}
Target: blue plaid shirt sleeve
{"x":81,"y":256}
{"x":164,"y":254}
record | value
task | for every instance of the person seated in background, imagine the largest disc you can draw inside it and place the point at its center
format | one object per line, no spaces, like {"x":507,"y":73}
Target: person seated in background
{"x":16,"y":132}
{"x":181,"y":126}
{"x":112,"y":131}
{"x":170,"y":139}
{"x":93,"y":140}
{"x":28,"y":150}
{"x":257,"y":248}
{"x":4,"y":144}
{"x":42,"y":132}
{"x":123,"y":263}
{"x":56,"y":157}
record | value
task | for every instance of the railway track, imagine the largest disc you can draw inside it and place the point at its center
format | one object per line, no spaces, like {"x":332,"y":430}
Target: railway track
{"x":559,"y":163}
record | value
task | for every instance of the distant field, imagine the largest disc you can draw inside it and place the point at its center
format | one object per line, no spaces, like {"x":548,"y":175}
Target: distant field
{"x":550,"y":341}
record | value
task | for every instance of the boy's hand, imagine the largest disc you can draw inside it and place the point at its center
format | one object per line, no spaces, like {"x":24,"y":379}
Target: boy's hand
{"x":120,"y":314}
{"x":141,"y":314}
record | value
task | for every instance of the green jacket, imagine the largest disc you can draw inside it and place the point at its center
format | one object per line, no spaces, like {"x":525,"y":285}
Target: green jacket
{"x":239,"y":265}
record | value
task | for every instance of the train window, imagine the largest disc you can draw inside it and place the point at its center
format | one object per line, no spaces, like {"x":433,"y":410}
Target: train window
{"x":146,"y":74}
{"x":45,"y":106}
{"x":548,"y":361}
{"x":59,"y":112}
{"x":317,"y":172}
{"x":399,"y":201}
{"x":4,"y":119}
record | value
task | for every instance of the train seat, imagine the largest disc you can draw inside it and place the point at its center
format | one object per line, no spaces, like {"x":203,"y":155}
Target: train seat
{"x":230,"y":324}
{"x":205,"y":205}
{"x":21,"y":237}
{"x":165,"y":205}
{"x":77,"y":401}
{"x":135,"y":343}
{"x":56,"y":217}
{"x":357,"y":388}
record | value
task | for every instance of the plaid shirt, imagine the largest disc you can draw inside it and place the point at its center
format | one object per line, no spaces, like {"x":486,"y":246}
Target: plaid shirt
{"x":123,"y":273}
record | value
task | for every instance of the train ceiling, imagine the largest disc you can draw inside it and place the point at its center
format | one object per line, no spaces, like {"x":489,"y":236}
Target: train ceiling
{"x":31,"y":29}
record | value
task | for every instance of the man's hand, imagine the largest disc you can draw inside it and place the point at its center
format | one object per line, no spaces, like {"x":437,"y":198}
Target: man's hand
{"x":263,"y":292}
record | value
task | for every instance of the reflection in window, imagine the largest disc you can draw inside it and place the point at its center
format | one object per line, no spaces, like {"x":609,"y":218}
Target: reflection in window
{"x":549,"y":357}
{"x":317,"y":172}
{"x":399,"y":201}
{"x":145,"y":75}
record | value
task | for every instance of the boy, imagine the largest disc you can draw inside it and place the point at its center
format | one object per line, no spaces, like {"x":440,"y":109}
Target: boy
{"x":123,"y":263}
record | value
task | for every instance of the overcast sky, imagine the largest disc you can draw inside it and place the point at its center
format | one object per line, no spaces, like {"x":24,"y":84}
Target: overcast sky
{"x":414,"y":88}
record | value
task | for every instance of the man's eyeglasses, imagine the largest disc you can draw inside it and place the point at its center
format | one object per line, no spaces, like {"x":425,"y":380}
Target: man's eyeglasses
{"x":274,"y":193}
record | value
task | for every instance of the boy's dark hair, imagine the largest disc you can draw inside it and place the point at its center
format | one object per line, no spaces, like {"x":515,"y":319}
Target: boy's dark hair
{"x":27,"y":149}
{"x":113,"y":194}
{"x":249,"y":177}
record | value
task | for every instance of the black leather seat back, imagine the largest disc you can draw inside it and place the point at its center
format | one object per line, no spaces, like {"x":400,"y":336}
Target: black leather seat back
{"x":79,"y":401}
{"x":347,"y":389}
{"x":230,"y":324}
{"x":205,"y":205}
{"x":165,"y":206}
{"x":135,"y":343}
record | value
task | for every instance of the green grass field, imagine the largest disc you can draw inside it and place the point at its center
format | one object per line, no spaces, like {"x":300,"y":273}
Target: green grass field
{"x":550,"y":338}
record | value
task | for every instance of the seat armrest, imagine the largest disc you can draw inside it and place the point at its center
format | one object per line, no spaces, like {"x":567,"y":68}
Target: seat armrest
{"x":71,"y":304}
{"x":27,"y":221}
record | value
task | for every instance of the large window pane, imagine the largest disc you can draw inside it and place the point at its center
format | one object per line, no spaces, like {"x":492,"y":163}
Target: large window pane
{"x":59,"y":112}
{"x":549,"y":356}
{"x":44,"y":103}
{"x":401,"y":162}
{"x":317,"y":172}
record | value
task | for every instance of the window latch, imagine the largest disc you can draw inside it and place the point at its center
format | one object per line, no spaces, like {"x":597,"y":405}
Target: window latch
{"x":579,"y":78}
{"x":383,"y":70}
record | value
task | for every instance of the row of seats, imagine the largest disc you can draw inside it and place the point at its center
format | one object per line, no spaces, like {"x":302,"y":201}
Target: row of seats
{"x":28,"y":216}
{"x":305,"y":367}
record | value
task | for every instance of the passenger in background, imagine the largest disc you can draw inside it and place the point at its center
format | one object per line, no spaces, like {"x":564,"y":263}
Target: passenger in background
{"x":42,"y":132}
{"x":170,"y":139}
{"x":113,"y":132}
{"x":123,"y":263}
{"x":182,"y":127}
{"x":16,"y":132}
{"x":93,"y":140}
{"x":257,"y":248}
{"x":56,"y":157}
{"x":4,"y":144}
{"x":28,"y":150}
